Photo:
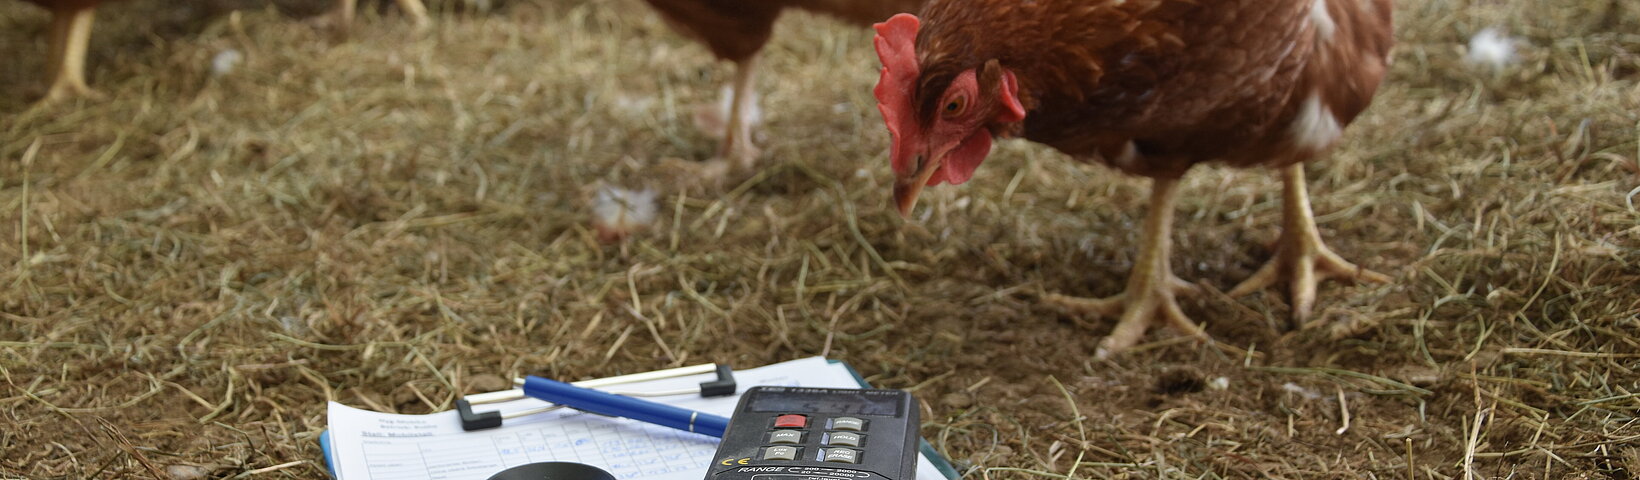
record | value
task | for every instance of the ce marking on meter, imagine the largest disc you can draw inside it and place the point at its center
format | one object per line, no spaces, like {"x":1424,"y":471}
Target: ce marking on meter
{"x":728,"y":462}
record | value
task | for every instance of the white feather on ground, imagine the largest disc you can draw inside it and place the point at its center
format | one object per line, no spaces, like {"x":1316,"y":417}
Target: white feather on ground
{"x":225,"y":61}
{"x":634,"y":105}
{"x":1301,"y":391}
{"x":618,"y":213}
{"x":1492,"y":48}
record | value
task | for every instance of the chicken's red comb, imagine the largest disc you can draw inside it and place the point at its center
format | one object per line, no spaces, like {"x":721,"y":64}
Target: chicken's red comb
{"x":896,"y":44}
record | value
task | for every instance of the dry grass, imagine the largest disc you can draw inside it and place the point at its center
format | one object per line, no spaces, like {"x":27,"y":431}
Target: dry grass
{"x":193,"y":266}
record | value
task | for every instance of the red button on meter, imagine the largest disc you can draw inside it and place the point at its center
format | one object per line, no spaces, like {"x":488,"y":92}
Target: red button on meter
{"x":791,"y":421}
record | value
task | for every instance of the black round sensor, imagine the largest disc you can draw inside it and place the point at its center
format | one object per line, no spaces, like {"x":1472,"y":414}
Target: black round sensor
{"x":553,"y":471}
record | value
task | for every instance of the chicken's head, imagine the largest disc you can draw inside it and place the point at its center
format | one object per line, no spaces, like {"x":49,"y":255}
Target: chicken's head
{"x":943,"y":141}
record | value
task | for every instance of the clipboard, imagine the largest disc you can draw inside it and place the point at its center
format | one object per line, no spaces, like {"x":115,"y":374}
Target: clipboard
{"x":330,"y":446}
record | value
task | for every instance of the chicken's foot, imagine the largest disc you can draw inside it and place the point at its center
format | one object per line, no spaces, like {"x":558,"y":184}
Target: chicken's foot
{"x":1301,"y":259}
{"x":1150,"y":296}
{"x":1113,"y":305}
{"x":70,"y":37}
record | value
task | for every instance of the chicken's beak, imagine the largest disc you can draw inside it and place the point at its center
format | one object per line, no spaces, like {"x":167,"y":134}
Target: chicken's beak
{"x":908,"y":188}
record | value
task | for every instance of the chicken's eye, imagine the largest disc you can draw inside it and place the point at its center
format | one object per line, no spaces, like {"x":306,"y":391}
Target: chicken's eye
{"x":956,"y":106}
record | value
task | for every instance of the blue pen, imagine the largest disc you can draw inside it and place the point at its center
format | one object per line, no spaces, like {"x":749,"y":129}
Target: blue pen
{"x":604,"y":403}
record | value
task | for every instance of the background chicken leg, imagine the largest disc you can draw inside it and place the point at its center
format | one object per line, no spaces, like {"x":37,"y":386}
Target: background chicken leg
{"x":70,"y":35}
{"x":1301,"y":259}
{"x":1152,"y":288}
{"x":347,"y":9}
{"x":737,"y":134}
{"x":733,"y":119}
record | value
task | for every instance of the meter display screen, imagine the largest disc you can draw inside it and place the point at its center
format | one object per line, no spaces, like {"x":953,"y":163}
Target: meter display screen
{"x":834,"y":403}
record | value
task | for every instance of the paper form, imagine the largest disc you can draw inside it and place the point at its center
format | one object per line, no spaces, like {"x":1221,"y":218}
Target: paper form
{"x":369,"y":445}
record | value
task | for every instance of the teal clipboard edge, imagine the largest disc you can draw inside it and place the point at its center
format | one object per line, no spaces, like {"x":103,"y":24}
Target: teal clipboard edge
{"x":934,"y":457}
{"x":940,"y":462}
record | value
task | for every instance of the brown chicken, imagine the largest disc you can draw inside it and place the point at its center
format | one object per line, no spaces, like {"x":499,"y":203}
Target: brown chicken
{"x":1149,"y":87}
{"x":735,"y":30}
{"x":70,"y":35}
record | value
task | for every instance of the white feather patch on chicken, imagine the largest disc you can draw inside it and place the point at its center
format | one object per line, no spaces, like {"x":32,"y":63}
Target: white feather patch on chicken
{"x":1316,"y":128}
{"x":1492,"y":48}
{"x":618,"y":213}
{"x":1323,"y":20}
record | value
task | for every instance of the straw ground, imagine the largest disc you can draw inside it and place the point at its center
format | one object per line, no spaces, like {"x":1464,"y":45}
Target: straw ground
{"x":195,"y":264}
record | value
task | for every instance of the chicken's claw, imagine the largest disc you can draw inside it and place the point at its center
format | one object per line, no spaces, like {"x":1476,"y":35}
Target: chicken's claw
{"x":63,"y":90}
{"x":1110,"y":306}
{"x":1303,"y":263}
{"x":1302,"y":259}
{"x":1151,"y":305}
{"x":1152,"y":290}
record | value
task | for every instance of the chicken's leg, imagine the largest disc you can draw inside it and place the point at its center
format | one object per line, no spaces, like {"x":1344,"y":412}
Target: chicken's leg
{"x":417,"y":13}
{"x":737,"y":135}
{"x":1151,"y":287}
{"x":1301,"y":259}
{"x":70,"y":36}
{"x":733,"y":119}
{"x":341,"y":19}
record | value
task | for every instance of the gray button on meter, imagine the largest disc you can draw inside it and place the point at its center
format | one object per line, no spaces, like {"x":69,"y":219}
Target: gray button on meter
{"x":842,"y":455}
{"x":848,"y":423}
{"x":844,"y":438}
{"x":780,"y":453}
{"x":786,"y":436}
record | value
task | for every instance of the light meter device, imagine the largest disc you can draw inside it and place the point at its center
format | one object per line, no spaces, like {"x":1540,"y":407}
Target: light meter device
{"x":801,"y":433}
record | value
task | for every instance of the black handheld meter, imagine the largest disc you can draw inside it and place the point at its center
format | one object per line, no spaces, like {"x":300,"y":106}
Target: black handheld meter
{"x":799,"y":433}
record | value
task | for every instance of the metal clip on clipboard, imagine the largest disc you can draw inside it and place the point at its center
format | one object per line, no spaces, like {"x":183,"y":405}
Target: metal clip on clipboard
{"x":471,"y":420}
